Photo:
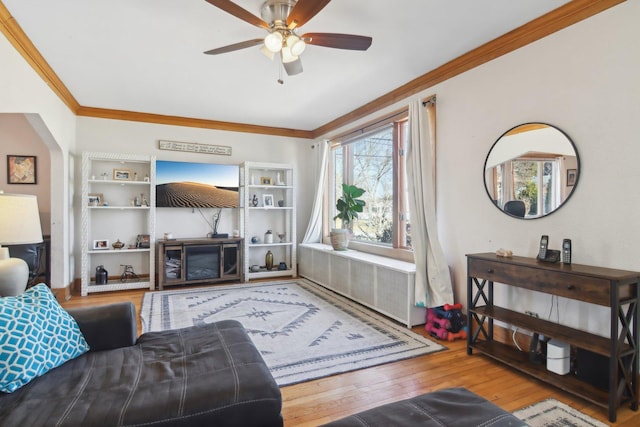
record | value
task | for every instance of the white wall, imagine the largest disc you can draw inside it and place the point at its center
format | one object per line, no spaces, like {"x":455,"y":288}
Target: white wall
{"x":585,"y":80}
{"x":24,"y":92}
{"x":142,"y":138}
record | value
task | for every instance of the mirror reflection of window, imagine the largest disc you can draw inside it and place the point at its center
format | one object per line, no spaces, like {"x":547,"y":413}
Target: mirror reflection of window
{"x":531,"y":163}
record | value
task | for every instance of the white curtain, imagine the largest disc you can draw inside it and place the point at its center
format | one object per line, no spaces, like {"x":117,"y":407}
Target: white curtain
{"x":433,"y":280}
{"x":321,"y":161}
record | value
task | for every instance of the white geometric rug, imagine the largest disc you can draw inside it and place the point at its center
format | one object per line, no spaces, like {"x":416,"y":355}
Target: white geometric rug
{"x":302,"y":330}
{"x":552,"y":413}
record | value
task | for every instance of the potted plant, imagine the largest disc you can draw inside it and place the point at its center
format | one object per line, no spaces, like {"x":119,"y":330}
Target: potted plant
{"x":348,"y":207}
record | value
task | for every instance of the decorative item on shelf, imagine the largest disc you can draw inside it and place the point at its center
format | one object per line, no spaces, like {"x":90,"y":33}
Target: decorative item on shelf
{"x":281,"y":236}
{"x":255,"y":239}
{"x":254,"y":268}
{"x":235,"y":233}
{"x":135,"y":176}
{"x":279,"y":179}
{"x":254,"y":201}
{"x":144,"y":200}
{"x":266,"y":180}
{"x":137,"y":201}
{"x":168,"y":236}
{"x":104,"y":176}
{"x":280,"y":203}
{"x":143,"y":241}
{"x":268,"y":237}
{"x":100,"y":244}
{"x":268,"y":260}
{"x":282,"y":266}
{"x":348,"y":207}
{"x":117,"y":244}
{"x":146,"y":178}
{"x":267,"y":200}
{"x":128,"y":273}
{"x":96,"y":199}
{"x":102,"y":276}
{"x":122,"y":175}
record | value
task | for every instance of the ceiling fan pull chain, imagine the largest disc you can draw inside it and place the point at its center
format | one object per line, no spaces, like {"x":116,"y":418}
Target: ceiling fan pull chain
{"x":279,"y":73}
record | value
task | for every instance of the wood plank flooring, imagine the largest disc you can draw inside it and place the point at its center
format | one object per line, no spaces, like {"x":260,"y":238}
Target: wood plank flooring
{"x":315,"y":402}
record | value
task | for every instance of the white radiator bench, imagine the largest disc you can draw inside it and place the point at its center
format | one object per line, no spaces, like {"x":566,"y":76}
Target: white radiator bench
{"x":383,"y":284}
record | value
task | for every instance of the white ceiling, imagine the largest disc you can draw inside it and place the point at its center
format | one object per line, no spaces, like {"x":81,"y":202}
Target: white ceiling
{"x":147,"y":55}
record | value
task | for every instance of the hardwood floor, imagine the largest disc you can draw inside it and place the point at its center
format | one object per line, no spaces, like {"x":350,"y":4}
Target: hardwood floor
{"x":315,"y":402}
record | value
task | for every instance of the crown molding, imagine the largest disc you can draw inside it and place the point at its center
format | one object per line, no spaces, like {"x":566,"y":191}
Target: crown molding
{"x":104,"y":113}
{"x":558,"y":19}
{"x":13,"y":32}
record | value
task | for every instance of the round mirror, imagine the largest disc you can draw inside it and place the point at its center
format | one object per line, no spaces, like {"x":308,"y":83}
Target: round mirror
{"x":531,"y":170}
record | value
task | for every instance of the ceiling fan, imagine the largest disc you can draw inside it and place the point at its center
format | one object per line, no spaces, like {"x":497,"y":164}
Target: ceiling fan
{"x":281,"y":18}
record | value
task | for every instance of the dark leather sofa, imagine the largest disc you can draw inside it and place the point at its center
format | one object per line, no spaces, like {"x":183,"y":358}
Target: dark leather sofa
{"x":210,"y":375}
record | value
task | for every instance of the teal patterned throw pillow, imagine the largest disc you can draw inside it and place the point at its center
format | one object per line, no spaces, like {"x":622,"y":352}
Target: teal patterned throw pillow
{"x":36,"y":335}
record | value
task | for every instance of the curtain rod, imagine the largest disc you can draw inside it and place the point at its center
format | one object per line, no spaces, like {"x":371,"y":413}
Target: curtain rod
{"x":431,"y":100}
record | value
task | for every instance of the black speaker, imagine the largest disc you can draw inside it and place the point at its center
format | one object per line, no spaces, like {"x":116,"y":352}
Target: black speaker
{"x":592,"y":368}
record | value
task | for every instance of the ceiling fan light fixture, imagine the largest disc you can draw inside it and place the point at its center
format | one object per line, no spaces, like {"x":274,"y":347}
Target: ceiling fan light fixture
{"x":266,"y":52}
{"x":286,"y":55}
{"x":273,"y":41}
{"x":296,"y":45}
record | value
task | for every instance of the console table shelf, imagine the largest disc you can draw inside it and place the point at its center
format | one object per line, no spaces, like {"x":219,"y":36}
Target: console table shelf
{"x":618,"y":290}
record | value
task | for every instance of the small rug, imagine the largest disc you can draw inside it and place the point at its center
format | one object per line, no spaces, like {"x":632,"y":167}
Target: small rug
{"x":302,"y":330}
{"x":552,"y":413}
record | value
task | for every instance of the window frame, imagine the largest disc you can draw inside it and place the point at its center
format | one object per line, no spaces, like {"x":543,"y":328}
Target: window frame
{"x":398,"y":120}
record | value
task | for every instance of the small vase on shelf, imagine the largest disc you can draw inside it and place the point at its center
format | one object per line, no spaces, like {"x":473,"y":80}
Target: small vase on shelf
{"x":268,"y":260}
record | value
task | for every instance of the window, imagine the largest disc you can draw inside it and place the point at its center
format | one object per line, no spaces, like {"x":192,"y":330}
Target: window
{"x":373,"y":158}
{"x":536,"y":182}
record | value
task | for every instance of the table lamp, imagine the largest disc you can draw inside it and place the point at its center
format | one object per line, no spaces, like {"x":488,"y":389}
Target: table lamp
{"x":19,"y":225}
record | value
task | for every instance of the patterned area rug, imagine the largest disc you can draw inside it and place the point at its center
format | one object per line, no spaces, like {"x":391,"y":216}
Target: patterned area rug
{"x":552,"y":413}
{"x":303,"y":331}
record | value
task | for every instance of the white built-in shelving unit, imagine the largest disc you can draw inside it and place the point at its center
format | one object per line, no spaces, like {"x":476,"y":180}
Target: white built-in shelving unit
{"x":118,"y":203}
{"x":272,"y":183}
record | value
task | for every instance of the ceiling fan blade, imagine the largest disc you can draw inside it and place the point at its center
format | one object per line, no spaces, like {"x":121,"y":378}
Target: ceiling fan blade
{"x":293,"y":68}
{"x":238,"y":12}
{"x":303,"y":11}
{"x":235,"y":46}
{"x":338,"y":41}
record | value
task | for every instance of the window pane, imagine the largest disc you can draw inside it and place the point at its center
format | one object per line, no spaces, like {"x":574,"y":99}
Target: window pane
{"x":525,"y":180}
{"x":368,"y":163}
{"x":374,"y":160}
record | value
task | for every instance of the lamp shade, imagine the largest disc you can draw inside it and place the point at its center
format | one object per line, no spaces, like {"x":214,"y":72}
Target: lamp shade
{"x":273,"y":41}
{"x":19,"y":219}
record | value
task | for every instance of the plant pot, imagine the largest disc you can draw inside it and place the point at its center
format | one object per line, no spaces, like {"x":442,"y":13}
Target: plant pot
{"x":340,"y":239}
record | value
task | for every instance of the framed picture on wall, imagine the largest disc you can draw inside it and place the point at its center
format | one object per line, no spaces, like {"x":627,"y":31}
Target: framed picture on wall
{"x":21,"y":169}
{"x":571,"y":177}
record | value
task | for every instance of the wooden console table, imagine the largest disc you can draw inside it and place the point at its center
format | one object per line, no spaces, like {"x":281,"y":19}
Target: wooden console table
{"x":616,"y":289}
{"x":189,"y":261}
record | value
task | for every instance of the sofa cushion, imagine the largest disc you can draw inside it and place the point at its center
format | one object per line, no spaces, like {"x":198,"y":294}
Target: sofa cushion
{"x":36,"y":335}
{"x":450,"y":407}
{"x":209,"y":375}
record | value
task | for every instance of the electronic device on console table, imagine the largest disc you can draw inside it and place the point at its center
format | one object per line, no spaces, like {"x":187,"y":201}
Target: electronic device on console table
{"x":616,"y":289}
